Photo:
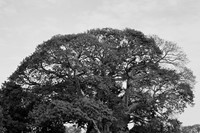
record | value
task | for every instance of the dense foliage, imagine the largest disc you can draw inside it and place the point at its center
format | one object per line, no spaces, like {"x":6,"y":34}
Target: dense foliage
{"x":103,"y":79}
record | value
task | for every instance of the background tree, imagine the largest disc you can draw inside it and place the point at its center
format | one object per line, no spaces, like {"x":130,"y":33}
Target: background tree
{"x":190,"y":129}
{"x":104,"y":78}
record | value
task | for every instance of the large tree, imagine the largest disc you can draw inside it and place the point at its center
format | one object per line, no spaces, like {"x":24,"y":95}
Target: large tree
{"x":103,"y":79}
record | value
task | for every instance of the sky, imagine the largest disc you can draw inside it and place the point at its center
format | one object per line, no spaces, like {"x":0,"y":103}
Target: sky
{"x":26,"y":23}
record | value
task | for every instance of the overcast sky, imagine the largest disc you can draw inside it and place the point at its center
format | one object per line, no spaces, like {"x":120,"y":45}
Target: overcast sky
{"x":26,"y":23}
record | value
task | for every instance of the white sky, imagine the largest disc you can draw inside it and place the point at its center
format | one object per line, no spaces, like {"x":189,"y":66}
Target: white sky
{"x":26,"y":23}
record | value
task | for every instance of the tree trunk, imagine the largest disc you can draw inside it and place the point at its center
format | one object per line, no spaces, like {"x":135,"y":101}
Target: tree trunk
{"x":103,"y":127}
{"x":90,"y":128}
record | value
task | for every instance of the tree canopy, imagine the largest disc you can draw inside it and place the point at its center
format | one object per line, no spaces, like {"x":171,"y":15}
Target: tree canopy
{"x":103,"y":80}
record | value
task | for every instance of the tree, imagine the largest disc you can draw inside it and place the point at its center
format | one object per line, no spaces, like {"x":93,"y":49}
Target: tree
{"x":104,"y":78}
{"x":191,"y":129}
